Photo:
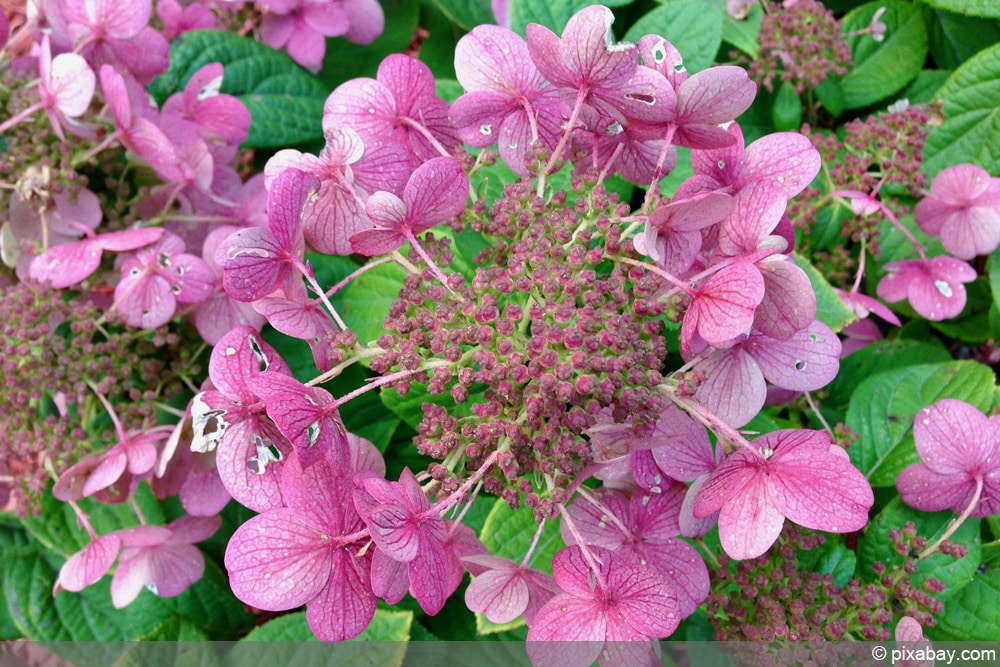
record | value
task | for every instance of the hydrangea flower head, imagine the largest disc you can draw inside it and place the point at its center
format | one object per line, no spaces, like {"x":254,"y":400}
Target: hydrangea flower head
{"x":960,"y":451}
{"x":963,"y":207}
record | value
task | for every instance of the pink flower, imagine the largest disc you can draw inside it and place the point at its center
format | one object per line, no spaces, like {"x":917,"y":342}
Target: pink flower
{"x":302,"y":26}
{"x":349,"y":170}
{"x":963,"y":207}
{"x":407,"y":529}
{"x":400,"y":104}
{"x":934,"y":287}
{"x":646,"y":533}
{"x":504,"y":590}
{"x":436,"y":192}
{"x":155,"y":279}
{"x":506,"y":98}
{"x":162,"y":559}
{"x":66,"y":86}
{"x":309,"y":552}
{"x":793,"y":473}
{"x":617,"y":608}
{"x":178,"y":20}
{"x":723,"y":306}
{"x":960,"y":452}
{"x":231,"y":420}
{"x":70,"y":263}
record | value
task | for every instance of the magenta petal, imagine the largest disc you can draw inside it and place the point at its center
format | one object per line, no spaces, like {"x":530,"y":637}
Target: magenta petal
{"x":686,"y":453}
{"x":286,"y":195}
{"x":727,"y":482}
{"x":387,"y":210}
{"x":72,"y":84}
{"x":436,"y":192}
{"x":251,"y":261}
{"x":390,"y":578}
{"x":758,"y":208}
{"x":645,"y":604}
{"x":278,"y":560}
{"x":89,"y":564}
{"x":346,"y":605}
{"x":240,"y":355}
{"x":250,"y":483}
{"x":690,"y":525}
{"x":429,"y":580}
{"x":373,"y":242}
{"x":734,"y":388}
{"x":566,"y":632}
{"x":111,"y":467}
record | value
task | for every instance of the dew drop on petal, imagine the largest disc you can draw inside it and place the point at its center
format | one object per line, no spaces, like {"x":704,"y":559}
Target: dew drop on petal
{"x":781,"y":179}
{"x":152,"y":588}
{"x":722,"y":164}
{"x":800,"y":365}
{"x":486,"y":130}
{"x":944,"y":288}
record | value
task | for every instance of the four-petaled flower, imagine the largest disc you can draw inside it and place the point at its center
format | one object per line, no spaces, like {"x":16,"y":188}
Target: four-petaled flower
{"x":960,"y":452}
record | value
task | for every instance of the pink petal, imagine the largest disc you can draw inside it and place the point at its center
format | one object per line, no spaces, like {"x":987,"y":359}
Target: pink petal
{"x":346,"y":605}
{"x":789,"y":303}
{"x":734,"y":388}
{"x":807,"y":361}
{"x":715,"y":95}
{"x":145,"y":301}
{"x":260,"y":490}
{"x":930,"y":491}
{"x":429,"y":580}
{"x":567,"y":632}
{"x":820,"y":491}
{"x":953,"y":437}
{"x":366,"y":20}
{"x":72,"y":84}
{"x":750,"y":522}
{"x":758,"y":208}
{"x":374,"y":242}
{"x":67,"y":264}
{"x":390,"y":578}
{"x":436,"y":192}
{"x":787,"y":158}
{"x":687,"y":454}
{"x":88,"y":565}
{"x":387,"y":210}
{"x":502,"y":595}
{"x":727,"y":482}
{"x":278,"y":560}
{"x":107,"y":472}
{"x":725,"y":303}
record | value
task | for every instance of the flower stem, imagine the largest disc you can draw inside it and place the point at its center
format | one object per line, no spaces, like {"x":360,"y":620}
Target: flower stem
{"x":561,"y":146}
{"x":956,"y":523}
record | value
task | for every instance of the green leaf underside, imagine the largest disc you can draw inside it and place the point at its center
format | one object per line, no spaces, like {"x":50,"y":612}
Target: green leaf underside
{"x":693,"y":26}
{"x":830,"y":310}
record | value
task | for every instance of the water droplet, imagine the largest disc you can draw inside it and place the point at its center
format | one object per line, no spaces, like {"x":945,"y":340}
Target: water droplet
{"x":175,"y":289}
{"x":781,"y":179}
{"x":267,"y":575}
{"x":944,"y":288}
{"x":152,"y":588}
{"x":722,"y":164}
{"x":230,"y":351}
{"x":371,"y":110}
{"x":486,"y":130}
{"x":800,"y":365}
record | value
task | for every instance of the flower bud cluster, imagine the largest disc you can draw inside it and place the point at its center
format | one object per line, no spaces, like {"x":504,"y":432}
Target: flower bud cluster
{"x":547,"y":334}
{"x":800,"y":43}
{"x":778,"y":601}
{"x":885,"y":150}
{"x":52,"y":352}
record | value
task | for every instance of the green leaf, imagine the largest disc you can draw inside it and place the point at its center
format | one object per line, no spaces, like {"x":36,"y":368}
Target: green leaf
{"x":973,"y":614}
{"x":345,"y":60}
{"x":876,"y":545}
{"x":286,"y":628}
{"x":876,"y":358}
{"x":284,"y":100}
{"x":58,"y":529}
{"x":971,"y":130}
{"x":924,"y":88}
{"x":366,"y":300}
{"x":883,"y":68}
{"x":693,"y":26}
{"x":787,"y":109}
{"x":984,"y":8}
{"x":830,"y":310}
{"x":838,"y":561}
{"x":438,"y":50}
{"x":831,"y":95}
{"x":508,"y":533}
{"x":956,"y":38}
{"x":466,"y":13}
{"x":884,"y":406}
{"x":742,"y":33}
{"x":553,"y":14}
